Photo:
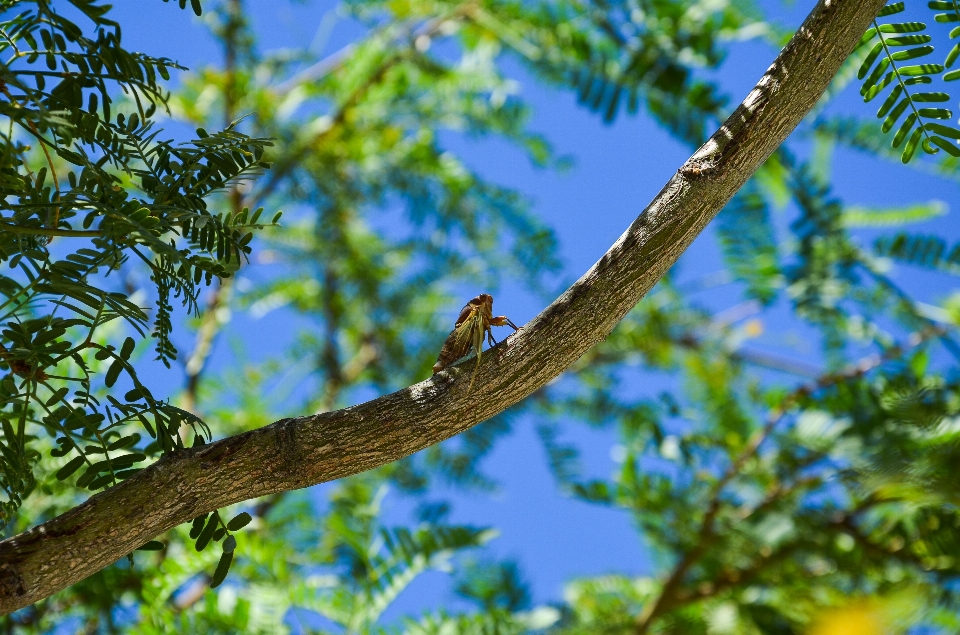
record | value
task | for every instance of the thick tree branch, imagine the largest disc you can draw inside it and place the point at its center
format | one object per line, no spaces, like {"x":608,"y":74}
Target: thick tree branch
{"x":295,"y":453}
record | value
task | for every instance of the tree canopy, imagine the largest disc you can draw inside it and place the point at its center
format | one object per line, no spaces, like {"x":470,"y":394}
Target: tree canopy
{"x":775,"y":494}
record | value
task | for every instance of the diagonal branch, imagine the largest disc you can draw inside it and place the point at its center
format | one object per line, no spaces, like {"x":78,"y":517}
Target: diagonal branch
{"x":283,"y":165}
{"x":295,"y":453}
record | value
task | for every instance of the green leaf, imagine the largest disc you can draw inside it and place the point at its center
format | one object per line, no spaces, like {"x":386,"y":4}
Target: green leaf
{"x":929,"y":97}
{"x":239,"y":521}
{"x":873,"y":91}
{"x":123,"y":442}
{"x":230,"y":544}
{"x":875,"y":76}
{"x":907,"y":40}
{"x":911,"y":146}
{"x":913,"y":53}
{"x":952,"y":56}
{"x":749,"y":246}
{"x":9,"y":385}
{"x":904,"y":130}
{"x":891,"y":120}
{"x":126,"y":460}
{"x":92,"y":472}
{"x":924,"y":251}
{"x":113,"y":373}
{"x":942,"y":143}
{"x":869,"y":60}
{"x":197,"y":526}
{"x":903,"y":27}
{"x":72,"y":466}
{"x":223,"y":567}
{"x":855,"y":216}
{"x":204,"y":538}
{"x":921,"y":69}
{"x":943,"y":131}
{"x":935,"y":113}
{"x":128,"y":345}
{"x":920,"y":361}
{"x":890,"y":101}
{"x":891,"y":9}
{"x":57,"y":395}
{"x":153,"y":545}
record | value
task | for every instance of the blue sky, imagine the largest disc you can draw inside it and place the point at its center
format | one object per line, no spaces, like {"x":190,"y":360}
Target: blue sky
{"x":618,"y":169}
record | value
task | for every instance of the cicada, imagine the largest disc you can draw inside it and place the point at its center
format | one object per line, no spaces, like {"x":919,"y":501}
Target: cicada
{"x":474,"y":322}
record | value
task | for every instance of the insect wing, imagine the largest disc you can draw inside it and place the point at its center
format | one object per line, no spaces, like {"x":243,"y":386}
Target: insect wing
{"x":459,"y":341}
{"x":477,"y":331}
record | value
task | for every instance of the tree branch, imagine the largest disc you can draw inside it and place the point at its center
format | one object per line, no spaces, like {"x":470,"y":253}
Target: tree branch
{"x":210,"y":321}
{"x":48,"y":231}
{"x":295,"y":453}
{"x":671,"y":593}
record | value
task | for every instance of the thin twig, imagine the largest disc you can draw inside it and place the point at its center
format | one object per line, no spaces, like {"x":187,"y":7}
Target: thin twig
{"x":669,"y":593}
{"x":43,"y":146}
{"x":280,"y":170}
{"x":46,"y":231}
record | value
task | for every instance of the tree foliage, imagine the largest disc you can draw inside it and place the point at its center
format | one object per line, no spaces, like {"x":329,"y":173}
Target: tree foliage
{"x":102,"y":181}
{"x":769,"y":489}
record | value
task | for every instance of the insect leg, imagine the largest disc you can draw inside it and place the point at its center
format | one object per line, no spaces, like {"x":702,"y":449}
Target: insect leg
{"x":503,"y":320}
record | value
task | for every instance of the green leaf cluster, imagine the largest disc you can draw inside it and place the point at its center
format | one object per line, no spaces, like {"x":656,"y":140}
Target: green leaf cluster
{"x":896,"y":46}
{"x":769,"y":488}
{"x":87,"y":185}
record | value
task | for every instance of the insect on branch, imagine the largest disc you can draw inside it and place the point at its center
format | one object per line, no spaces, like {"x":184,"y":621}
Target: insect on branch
{"x":474,"y":322}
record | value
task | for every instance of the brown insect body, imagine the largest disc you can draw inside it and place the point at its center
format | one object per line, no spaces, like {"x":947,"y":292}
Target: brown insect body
{"x":474,"y":323}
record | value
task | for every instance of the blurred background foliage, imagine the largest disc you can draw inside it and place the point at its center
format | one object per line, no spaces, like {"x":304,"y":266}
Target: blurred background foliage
{"x":776,"y":495}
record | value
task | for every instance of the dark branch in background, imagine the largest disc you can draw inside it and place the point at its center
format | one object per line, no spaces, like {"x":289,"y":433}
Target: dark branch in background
{"x":295,"y":453}
{"x":692,"y":339}
{"x":283,"y":166}
{"x":672,"y":594}
{"x":335,"y":61}
{"x":329,"y":360}
{"x":210,"y":320}
{"x":203,"y":345}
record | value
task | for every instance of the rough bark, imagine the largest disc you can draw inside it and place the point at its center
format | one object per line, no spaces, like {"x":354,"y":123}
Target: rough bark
{"x":295,"y":453}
